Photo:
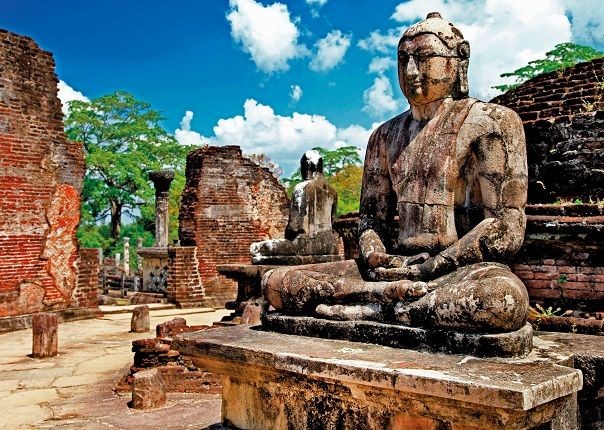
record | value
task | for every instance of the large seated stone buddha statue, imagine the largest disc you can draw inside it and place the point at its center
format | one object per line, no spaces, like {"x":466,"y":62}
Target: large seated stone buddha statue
{"x":454,"y":170}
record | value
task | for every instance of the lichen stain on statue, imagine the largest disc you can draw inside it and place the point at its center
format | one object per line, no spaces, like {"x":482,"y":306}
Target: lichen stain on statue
{"x":454,"y":170}
{"x":308,"y":235}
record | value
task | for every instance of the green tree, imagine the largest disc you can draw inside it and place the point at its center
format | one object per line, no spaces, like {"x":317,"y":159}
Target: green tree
{"x":563,"y":55}
{"x":347,"y":183}
{"x":123,"y":141}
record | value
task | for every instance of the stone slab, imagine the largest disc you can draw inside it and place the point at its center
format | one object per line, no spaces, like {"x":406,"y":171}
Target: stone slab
{"x":512,"y":344}
{"x":495,"y":383}
{"x":295,"y":260}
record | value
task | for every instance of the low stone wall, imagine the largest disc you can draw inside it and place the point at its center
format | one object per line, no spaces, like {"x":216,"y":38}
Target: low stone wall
{"x":562,"y":257}
{"x":184,"y":286}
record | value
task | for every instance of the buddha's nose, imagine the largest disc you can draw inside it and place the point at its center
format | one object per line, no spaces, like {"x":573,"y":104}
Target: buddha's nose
{"x":411,"y":71}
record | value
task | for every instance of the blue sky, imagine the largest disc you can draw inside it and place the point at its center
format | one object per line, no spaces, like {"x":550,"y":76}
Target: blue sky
{"x":279,"y":77}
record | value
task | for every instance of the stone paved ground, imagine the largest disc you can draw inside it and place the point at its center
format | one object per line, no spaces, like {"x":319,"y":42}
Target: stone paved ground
{"x":74,"y":389}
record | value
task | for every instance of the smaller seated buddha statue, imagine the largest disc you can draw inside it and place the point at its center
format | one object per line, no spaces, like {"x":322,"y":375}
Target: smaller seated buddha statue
{"x":308,"y":232}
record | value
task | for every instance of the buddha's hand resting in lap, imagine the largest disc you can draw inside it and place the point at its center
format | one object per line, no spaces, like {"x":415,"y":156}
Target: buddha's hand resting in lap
{"x":427,"y":269}
{"x":374,"y":253}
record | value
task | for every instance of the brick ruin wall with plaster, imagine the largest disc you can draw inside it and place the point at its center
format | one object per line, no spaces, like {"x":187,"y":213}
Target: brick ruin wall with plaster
{"x":228,"y":203}
{"x":41,"y":176}
{"x":562,"y":258}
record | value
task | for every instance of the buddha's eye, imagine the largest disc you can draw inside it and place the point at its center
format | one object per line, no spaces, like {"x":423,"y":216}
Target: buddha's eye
{"x":403,"y":57}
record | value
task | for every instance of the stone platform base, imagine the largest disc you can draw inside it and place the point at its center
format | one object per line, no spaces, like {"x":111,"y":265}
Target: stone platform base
{"x":512,"y":344}
{"x":295,"y":260}
{"x":277,"y":381}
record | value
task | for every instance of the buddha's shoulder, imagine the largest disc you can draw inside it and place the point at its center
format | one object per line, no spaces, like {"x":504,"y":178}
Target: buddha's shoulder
{"x":491,"y":117}
{"x":386,"y":128}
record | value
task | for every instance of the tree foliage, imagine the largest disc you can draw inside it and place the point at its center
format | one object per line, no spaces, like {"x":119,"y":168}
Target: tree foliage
{"x":123,"y":141}
{"x":562,"y":56}
{"x":347,"y":183}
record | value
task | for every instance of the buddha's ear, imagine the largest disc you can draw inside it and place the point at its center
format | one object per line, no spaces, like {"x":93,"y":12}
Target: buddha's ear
{"x":463,"y":52}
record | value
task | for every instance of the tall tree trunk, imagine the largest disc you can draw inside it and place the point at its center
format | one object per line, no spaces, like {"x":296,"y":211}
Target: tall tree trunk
{"x":116,"y":220}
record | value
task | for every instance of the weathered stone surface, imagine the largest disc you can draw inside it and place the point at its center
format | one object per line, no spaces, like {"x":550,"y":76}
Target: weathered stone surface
{"x":140,"y":322}
{"x":308,"y":232}
{"x":228,"y":203}
{"x":511,"y":344}
{"x":454,"y":170}
{"x":166,"y":329}
{"x":40,"y":182}
{"x":292,"y":382}
{"x":45,"y":333}
{"x":148,"y":390}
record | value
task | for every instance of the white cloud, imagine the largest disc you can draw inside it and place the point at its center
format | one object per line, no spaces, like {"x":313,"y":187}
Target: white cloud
{"x":330,"y":51}
{"x":283,"y":138}
{"x":316,"y":5}
{"x":503,"y":34}
{"x":267,"y":33}
{"x":379,"y":99}
{"x":381,"y":64}
{"x":184,"y":135}
{"x":67,"y":94}
{"x":382,"y":42}
{"x":587,"y":21}
{"x":296,"y":93}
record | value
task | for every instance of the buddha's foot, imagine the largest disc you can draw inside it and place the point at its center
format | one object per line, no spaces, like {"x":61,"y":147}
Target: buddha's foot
{"x":401,"y":290}
{"x":371,"y":311}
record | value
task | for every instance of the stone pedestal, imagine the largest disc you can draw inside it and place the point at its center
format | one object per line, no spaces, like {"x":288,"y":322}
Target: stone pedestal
{"x":282,"y":381}
{"x":45,"y":335}
{"x":155,"y":268}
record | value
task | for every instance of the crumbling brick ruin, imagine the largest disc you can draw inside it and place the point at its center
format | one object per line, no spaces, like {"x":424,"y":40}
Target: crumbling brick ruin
{"x":41,"y":176}
{"x":228,"y":203}
{"x":563,"y":116}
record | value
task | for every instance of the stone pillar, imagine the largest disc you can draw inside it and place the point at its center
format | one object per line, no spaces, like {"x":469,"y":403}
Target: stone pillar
{"x":139,"y":259}
{"x":127,"y":256}
{"x":161,"y":180}
{"x":45,"y":335}
{"x":140,"y":322}
{"x":118,"y":260}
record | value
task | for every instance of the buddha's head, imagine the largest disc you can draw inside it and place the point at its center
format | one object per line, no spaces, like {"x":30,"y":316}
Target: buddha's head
{"x":311,"y":163}
{"x":433,"y":61}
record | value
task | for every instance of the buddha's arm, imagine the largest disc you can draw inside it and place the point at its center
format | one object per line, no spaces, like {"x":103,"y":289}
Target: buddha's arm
{"x":376,"y":209}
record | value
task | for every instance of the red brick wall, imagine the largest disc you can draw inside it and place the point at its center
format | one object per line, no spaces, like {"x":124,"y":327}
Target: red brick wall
{"x":563,"y":117}
{"x":41,"y":176}
{"x":228,"y":203}
{"x":184,"y":283}
{"x":86,"y":292}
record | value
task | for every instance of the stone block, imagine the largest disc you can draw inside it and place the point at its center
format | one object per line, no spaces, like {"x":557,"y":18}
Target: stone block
{"x":140,"y":322}
{"x":251,"y":314}
{"x":148,"y":390}
{"x":290,"y":382}
{"x":45,"y":335}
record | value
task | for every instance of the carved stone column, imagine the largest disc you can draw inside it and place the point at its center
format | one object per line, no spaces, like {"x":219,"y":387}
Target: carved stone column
{"x":161,"y":180}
